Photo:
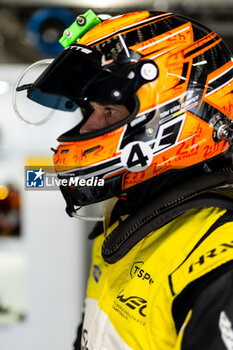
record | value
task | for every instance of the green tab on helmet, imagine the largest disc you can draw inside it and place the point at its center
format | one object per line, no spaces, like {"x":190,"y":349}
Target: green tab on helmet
{"x":81,"y":25}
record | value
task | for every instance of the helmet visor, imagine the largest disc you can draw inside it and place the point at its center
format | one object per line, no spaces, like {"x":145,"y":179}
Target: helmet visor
{"x":82,"y":73}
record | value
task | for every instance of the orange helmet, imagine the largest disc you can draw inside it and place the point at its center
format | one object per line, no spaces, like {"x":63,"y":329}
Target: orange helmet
{"x":173,"y":74}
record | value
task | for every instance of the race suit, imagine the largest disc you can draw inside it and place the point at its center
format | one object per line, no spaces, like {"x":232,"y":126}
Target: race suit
{"x":172,"y":290}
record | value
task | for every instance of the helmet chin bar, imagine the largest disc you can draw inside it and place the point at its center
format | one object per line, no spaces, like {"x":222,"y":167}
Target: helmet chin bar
{"x":70,"y":209}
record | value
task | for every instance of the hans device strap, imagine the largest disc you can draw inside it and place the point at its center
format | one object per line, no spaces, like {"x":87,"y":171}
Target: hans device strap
{"x":162,"y":210}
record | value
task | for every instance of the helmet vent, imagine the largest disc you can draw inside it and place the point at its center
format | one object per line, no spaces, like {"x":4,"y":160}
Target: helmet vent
{"x":90,"y":150}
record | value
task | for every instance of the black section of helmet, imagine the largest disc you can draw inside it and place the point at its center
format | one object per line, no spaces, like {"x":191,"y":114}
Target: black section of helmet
{"x":80,"y":73}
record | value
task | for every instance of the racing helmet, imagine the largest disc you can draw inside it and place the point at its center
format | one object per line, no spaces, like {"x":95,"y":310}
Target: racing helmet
{"x":174,"y":76}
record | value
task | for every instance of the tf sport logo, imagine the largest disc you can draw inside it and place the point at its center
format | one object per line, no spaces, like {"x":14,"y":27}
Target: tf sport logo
{"x":35,"y":178}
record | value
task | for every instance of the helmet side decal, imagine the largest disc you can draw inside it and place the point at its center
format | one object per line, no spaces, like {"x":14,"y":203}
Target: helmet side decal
{"x":102,"y":170}
{"x":176,"y":37}
{"x":220,"y":89}
{"x":193,"y":145}
{"x":167,"y":49}
{"x":168,"y":134}
{"x":152,"y":46}
{"x":101,"y":167}
{"x":225,"y":75}
{"x":202,"y":45}
{"x":167,"y":103}
{"x":132,"y":24}
{"x":136,"y":156}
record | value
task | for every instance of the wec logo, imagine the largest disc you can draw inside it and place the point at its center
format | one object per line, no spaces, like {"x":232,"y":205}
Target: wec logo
{"x":134,"y":303}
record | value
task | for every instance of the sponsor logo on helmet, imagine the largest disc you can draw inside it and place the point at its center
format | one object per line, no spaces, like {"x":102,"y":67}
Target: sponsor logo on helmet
{"x":138,"y":120}
{"x":83,"y":49}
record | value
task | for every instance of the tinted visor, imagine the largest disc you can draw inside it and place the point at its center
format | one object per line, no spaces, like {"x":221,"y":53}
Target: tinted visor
{"x":79,"y":73}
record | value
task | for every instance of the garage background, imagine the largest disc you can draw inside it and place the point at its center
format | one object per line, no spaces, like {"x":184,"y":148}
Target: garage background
{"x":44,"y":264}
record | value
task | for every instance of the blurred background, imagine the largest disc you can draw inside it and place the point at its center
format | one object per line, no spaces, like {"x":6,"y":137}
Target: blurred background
{"x":44,"y":254}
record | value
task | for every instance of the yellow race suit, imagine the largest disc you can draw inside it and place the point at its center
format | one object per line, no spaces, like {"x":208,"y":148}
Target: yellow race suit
{"x":171,"y":290}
